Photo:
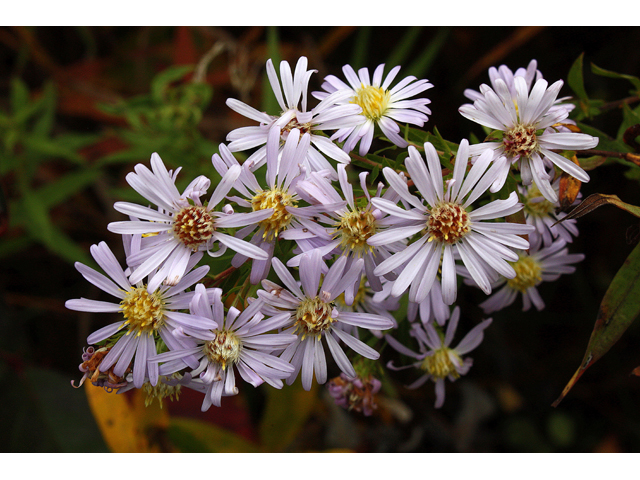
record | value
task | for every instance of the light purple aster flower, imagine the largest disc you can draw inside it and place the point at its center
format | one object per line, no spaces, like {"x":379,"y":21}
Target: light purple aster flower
{"x":311,"y":315}
{"x":181,"y":225}
{"x":532,"y":268}
{"x":148,"y":313}
{"x":327,"y":115}
{"x":350,"y":225}
{"x":381,"y":105}
{"x":240,"y":341}
{"x":446,"y":228}
{"x":436,"y":358}
{"x":529,"y":136}
{"x":279,"y":196}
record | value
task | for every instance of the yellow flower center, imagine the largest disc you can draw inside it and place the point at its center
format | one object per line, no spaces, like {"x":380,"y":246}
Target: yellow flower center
{"x":313,"y":317}
{"x":439,"y":365}
{"x":448,"y":222}
{"x":535,"y":204}
{"x":143,"y":312}
{"x":224,"y":349}
{"x":193,"y":226}
{"x":520,"y":141}
{"x":280,"y":219}
{"x":354,"y":229}
{"x":528,"y":274}
{"x":373,"y":101}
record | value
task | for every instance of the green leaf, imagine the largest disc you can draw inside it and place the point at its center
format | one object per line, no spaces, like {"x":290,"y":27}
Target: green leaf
{"x":575,"y":79}
{"x":361,"y":48}
{"x":403,"y":47}
{"x":44,"y":124}
{"x":19,"y":95}
{"x":161,"y":82}
{"x":424,"y":60}
{"x":605,"y":142}
{"x":286,"y":412}
{"x":55,"y":193}
{"x":635,"y":81}
{"x":629,"y":118}
{"x":619,"y":308}
{"x":193,"y":436}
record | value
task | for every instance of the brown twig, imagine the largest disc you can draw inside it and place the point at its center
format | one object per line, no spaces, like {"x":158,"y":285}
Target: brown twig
{"x":631,"y":157}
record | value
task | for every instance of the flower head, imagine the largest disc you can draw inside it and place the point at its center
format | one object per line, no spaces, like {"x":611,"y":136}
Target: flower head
{"x":311,"y":315}
{"x":357,"y":394}
{"x":381,"y":105}
{"x":445,"y":226}
{"x":148,"y":314}
{"x":532,"y":268}
{"x":437,"y":359}
{"x":344,"y":227}
{"x":292,"y":99}
{"x":181,"y":225}
{"x":530,"y":125}
{"x":239,"y":342}
{"x":277,"y":195}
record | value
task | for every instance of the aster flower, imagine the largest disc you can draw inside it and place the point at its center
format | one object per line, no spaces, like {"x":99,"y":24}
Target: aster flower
{"x":279,"y":196}
{"x":350,"y":226}
{"x":529,"y":136}
{"x":532,"y":268}
{"x":357,"y":394}
{"x":436,"y":358}
{"x":381,"y":105}
{"x":541,"y":213}
{"x":446,"y":227}
{"x":327,"y":115}
{"x":238,"y":342}
{"x":149,"y":314}
{"x":311,"y":315}
{"x":181,"y":225}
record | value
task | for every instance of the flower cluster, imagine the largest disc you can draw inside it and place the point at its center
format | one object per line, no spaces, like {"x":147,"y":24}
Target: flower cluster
{"x":303,"y":261}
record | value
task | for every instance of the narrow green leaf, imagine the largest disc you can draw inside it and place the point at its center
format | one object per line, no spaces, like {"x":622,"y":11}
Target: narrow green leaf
{"x":19,"y":95}
{"x":403,"y":47}
{"x":635,"y":81}
{"x":188,"y":435}
{"x":57,"y":192}
{"x":575,"y":79}
{"x":424,"y":60}
{"x":619,"y":308}
{"x":361,"y":47}
{"x":44,"y":124}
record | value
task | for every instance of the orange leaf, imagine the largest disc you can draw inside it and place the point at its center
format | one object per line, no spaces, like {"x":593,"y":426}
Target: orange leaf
{"x":127,"y":426}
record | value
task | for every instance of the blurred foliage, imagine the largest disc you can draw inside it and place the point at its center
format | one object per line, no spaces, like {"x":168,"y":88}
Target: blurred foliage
{"x":72,"y":124}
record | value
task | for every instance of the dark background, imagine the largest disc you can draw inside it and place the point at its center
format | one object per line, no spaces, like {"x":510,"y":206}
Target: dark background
{"x":502,"y":405}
